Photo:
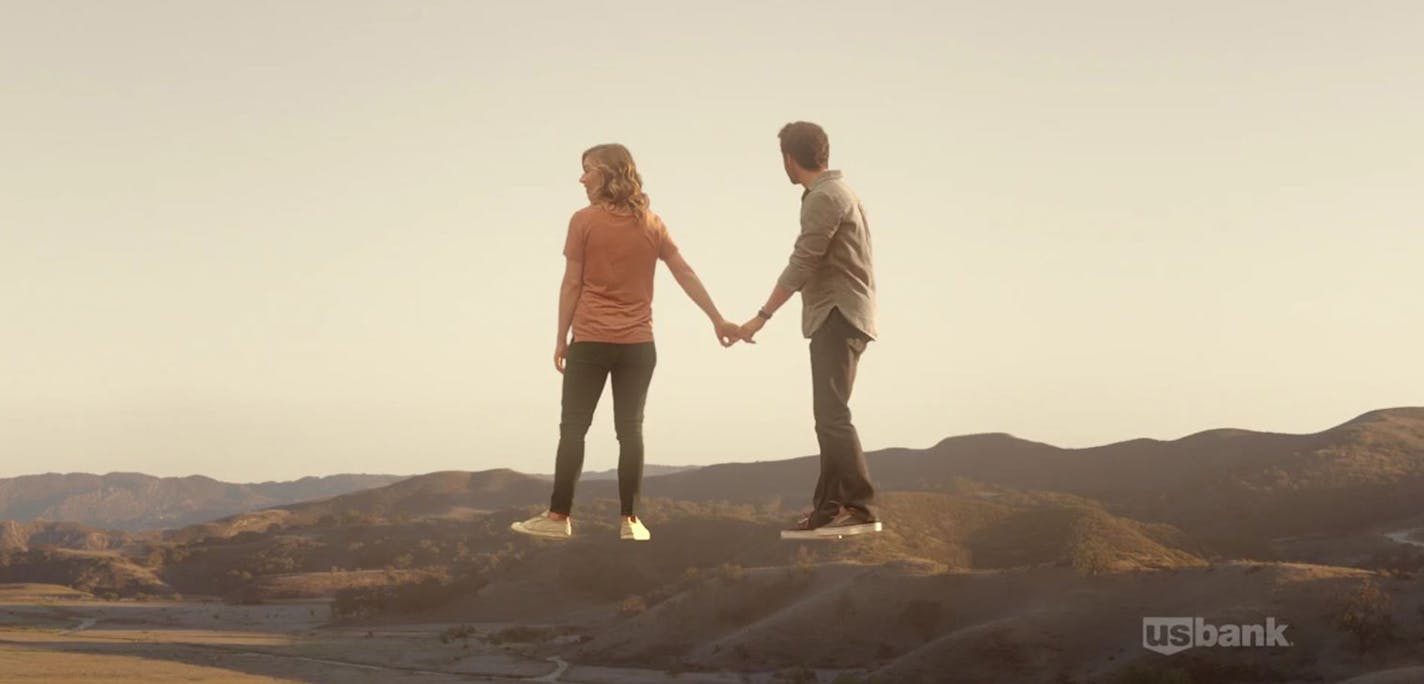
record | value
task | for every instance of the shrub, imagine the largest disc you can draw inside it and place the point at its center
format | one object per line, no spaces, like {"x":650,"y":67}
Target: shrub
{"x":633,"y":605}
{"x":1364,"y":613}
{"x":520,"y":634}
{"x":457,"y":633}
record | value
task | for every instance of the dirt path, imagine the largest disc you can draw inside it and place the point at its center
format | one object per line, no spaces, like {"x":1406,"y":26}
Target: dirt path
{"x":466,"y":676}
{"x":151,"y":642}
{"x":283,"y":664}
{"x":83,"y":625}
{"x":558,"y":672}
{"x":1403,"y":536}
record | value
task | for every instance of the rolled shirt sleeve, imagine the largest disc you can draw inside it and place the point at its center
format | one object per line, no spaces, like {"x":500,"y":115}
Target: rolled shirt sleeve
{"x":821,"y":215}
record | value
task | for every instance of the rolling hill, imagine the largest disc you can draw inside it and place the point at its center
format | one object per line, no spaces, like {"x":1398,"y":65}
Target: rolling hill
{"x":135,"y":502}
{"x":1003,"y":559}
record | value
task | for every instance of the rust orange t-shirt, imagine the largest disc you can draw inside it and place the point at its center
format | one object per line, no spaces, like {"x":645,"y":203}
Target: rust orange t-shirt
{"x":619,"y":255}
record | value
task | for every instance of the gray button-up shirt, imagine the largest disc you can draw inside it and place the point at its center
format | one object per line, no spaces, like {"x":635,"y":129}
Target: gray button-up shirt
{"x":831,"y":263}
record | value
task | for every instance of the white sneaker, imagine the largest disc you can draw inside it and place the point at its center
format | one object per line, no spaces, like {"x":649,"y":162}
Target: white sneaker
{"x":632,"y":529}
{"x":543,"y":526}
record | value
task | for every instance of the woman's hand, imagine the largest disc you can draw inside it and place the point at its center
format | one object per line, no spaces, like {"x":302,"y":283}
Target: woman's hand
{"x":561,"y":353}
{"x":728,"y":333}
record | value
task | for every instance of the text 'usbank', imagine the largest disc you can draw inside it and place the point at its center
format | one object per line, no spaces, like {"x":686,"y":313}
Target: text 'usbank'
{"x":1168,"y":635}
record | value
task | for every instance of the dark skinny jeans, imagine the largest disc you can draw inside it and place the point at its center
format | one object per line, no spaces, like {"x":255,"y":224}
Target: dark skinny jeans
{"x":586,"y":368}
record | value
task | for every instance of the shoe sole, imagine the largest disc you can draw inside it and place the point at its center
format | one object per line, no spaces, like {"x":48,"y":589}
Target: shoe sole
{"x":827,"y":533}
{"x":520,"y":528}
{"x":632,"y":538}
{"x":850,"y":530}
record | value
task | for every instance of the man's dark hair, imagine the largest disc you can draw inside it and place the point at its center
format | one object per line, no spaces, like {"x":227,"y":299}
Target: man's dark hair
{"x":807,"y":144}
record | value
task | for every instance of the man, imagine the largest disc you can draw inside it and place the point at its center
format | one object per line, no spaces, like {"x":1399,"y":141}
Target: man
{"x":831,"y":267}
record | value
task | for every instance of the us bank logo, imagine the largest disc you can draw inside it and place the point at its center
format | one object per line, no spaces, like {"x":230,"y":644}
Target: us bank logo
{"x":1168,"y":635}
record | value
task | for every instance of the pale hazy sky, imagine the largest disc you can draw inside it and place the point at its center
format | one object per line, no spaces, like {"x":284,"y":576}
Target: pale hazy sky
{"x":261,"y":240}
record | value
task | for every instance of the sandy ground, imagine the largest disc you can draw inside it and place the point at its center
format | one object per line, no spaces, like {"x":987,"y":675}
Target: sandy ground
{"x":22,"y":664}
{"x":45,"y":640}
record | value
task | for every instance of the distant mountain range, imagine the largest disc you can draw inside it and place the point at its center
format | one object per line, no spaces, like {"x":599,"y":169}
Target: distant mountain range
{"x":1361,"y":472}
{"x":1217,"y":494}
{"x":1219,"y":482}
{"x":135,"y":502}
{"x":649,"y":470}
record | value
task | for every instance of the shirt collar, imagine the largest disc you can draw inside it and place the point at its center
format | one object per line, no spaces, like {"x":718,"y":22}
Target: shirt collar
{"x":827,"y":175}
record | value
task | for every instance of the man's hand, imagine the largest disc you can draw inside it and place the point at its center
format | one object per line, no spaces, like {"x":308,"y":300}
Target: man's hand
{"x":751,"y":328}
{"x":728,"y":333}
{"x":561,"y":353}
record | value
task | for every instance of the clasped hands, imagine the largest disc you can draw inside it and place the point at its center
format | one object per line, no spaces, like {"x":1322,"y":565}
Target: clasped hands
{"x":729,"y":333}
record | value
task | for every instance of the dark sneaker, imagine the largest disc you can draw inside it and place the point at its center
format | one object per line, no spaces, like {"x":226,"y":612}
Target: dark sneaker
{"x":805,"y":528}
{"x":850,"y":521}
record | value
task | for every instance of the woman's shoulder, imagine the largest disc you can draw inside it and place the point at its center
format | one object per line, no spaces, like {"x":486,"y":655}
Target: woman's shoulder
{"x":596,"y":213}
{"x":586,"y":213}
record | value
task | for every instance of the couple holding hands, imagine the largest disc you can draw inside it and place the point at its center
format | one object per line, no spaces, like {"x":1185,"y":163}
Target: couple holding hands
{"x":612,"y":250}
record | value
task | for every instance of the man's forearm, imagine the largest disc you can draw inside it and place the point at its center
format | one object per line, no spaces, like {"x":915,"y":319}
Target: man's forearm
{"x":778,"y":296}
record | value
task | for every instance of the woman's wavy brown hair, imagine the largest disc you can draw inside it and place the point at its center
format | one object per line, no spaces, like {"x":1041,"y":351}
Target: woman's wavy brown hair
{"x":619,"y":186}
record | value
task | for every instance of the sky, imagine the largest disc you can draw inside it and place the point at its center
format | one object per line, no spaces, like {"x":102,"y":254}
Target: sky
{"x":265,"y":240}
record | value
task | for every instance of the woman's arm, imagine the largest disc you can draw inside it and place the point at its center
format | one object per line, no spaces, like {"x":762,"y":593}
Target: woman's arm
{"x":569,"y":291}
{"x":727,"y":332}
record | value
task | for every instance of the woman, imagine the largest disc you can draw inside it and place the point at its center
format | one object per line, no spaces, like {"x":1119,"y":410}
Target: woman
{"x":611,"y":252}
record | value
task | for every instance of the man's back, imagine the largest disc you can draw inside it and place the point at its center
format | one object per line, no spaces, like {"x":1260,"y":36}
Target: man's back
{"x":832,"y":264}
